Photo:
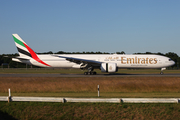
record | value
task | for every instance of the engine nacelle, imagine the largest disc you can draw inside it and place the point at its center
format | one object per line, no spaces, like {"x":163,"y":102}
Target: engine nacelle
{"x":109,"y":67}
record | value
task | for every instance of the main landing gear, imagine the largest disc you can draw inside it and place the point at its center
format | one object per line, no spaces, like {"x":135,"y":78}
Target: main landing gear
{"x":90,"y":71}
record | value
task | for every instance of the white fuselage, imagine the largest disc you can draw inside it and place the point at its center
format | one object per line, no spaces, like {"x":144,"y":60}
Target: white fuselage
{"x":122,"y":61}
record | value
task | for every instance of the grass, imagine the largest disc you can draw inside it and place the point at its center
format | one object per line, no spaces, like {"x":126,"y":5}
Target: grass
{"x":48,"y":111}
{"x":102,"y":94}
{"x":87,"y":86}
{"x":41,"y":70}
{"x":116,"y":87}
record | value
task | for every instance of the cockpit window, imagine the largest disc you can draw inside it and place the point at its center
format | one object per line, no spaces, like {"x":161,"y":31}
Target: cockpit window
{"x":170,"y":59}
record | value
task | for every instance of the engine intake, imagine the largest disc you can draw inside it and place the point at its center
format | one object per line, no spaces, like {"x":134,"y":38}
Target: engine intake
{"x":109,"y":67}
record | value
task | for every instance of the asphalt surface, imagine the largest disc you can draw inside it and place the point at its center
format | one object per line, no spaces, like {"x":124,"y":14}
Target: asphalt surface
{"x":82,"y":75}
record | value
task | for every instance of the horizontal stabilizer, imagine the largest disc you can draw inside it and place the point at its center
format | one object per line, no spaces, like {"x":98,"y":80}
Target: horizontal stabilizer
{"x":17,"y":58}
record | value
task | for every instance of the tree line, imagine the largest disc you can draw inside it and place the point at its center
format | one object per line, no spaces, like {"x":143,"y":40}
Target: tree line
{"x":5,"y":60}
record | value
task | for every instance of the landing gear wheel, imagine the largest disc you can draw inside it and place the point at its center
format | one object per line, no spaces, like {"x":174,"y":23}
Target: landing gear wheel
{"x":93,"y":73}
{"x":89,"y":73}
{"x":85,"y":73}
{"x":161,"y":73}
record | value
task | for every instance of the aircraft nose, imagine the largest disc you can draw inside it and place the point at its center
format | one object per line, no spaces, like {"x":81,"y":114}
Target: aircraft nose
{"x":173,"y":62}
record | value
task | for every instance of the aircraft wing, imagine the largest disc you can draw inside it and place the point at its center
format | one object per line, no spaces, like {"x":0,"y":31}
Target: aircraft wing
{"x":80,"y":61}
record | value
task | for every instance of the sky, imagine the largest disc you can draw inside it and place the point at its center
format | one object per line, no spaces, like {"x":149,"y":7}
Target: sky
{"x":110,"y":26}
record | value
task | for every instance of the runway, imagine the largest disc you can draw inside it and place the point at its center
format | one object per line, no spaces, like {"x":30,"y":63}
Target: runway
{"x":82,"y":75}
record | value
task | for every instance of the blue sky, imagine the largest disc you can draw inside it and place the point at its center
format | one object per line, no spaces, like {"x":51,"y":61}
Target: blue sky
{"x":91,"y":25}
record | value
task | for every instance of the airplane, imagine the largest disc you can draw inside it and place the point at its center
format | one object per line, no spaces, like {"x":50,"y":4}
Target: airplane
{"x":105,"y":62}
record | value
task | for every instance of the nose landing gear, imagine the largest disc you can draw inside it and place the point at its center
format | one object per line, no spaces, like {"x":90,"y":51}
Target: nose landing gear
{"x":162,"y":71}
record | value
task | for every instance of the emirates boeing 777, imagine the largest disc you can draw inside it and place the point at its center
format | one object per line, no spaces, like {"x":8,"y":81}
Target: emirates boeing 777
{"x":105,"y":62}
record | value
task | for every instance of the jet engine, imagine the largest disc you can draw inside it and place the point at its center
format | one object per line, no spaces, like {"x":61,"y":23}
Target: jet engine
{"x":109,"y":67}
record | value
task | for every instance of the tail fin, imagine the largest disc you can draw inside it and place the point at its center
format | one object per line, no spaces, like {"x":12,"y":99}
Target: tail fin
{"x":22,"y":46}
{"x":25,"y":51}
